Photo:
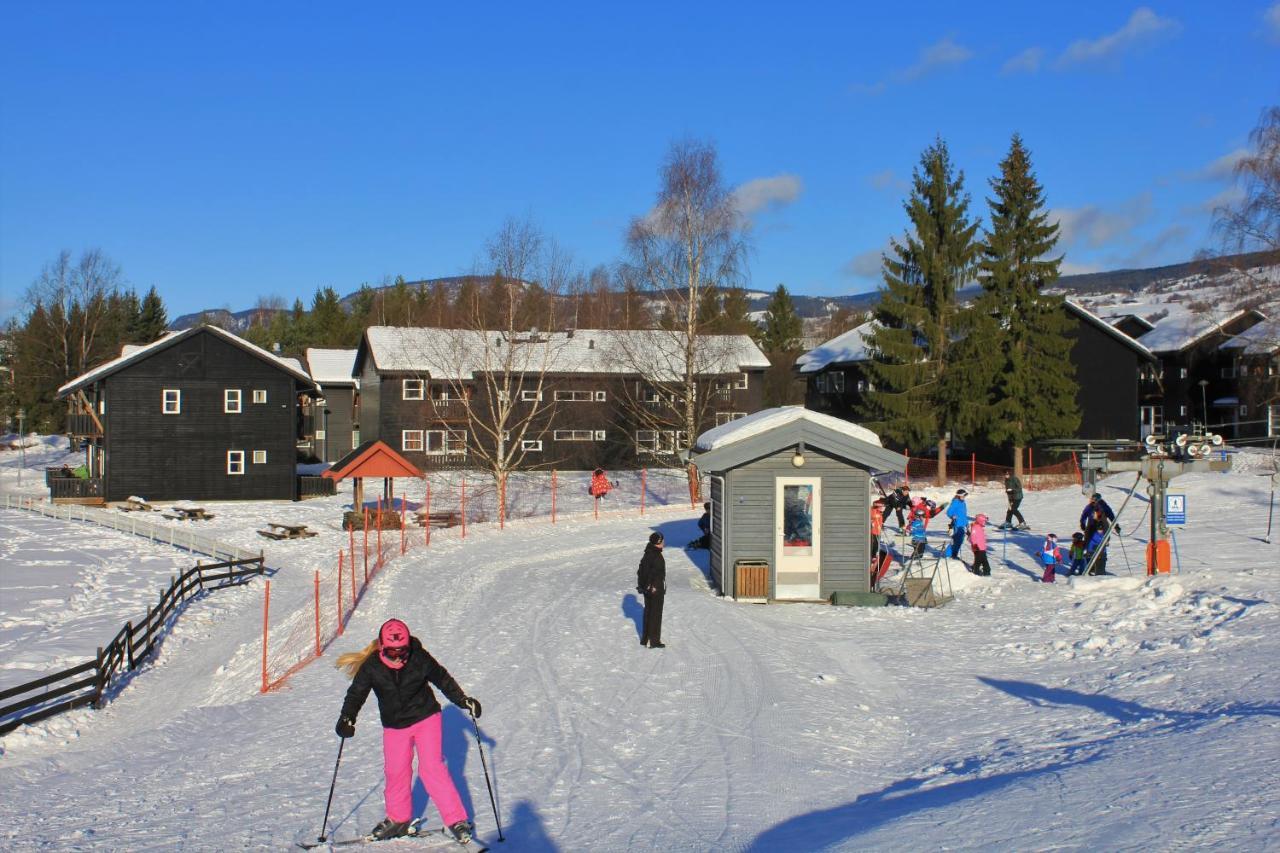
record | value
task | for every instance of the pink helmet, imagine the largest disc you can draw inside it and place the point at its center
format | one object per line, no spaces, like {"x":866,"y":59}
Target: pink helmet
{"x":393,"y":643}
{"x":981,"y":518}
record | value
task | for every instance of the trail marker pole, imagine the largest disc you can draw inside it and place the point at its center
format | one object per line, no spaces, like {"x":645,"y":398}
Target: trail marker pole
{"x":266,"y":616}
{"x":464,"y":506}
{"x":553,"y":497}
{"x":318,"y":612}
{"x":644,"y":474}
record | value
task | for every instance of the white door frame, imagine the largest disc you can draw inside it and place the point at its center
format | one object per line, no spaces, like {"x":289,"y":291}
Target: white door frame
{"x":797,"y":575}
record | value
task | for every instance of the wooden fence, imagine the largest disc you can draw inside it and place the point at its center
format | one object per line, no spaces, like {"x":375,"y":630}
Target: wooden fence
{"x":87,"y":683}
{"x":315,"y":487}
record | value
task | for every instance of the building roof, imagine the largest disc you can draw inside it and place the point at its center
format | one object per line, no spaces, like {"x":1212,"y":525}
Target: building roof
{"x":848,"y":347}
{"x":1174,"y":334}
{"x":1097,"y":322}
{"x":332,"y":366}
{"x":132,"y":355}
{"x":764,"y":433}
{"x":461,"y":353}
{"x":1117,"y":319}
{"x":372,"y":459}
{"x":1261,"y":339}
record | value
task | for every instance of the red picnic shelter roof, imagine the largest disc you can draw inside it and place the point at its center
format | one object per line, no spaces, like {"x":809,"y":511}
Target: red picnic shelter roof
{"x":374,"y":458}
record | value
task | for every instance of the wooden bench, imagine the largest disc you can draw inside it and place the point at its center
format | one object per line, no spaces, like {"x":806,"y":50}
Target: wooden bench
{"x":132,"y":504}
{"x":286,"y":531}
{"x":451,"y":518}
{"x":188,"y":513}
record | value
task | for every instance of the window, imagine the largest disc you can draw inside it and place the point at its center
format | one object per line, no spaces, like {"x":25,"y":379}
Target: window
{"x":648,"y":395}
{"x":1151,"y":418}
{"x":319,"y":433}
{"x":1273,"y":421}
{"x":1244,"y":410}
{"x":531,"y":396}
{"x":259,"y":457}
{"x":172,"y":402}
{"x":235,"y":461}
{"x":532,"y":445}
{"x":600,"y":396}
{"x":600,"y":435}
{"x":260,"y":396}
{"x":411,"y":440}
{"x":723,"y":387}
{"x":723,"y":418}
{"x":646,"y":441}
{"x":1227,"y":372}
{"x":1182,"y":373}
{"x":837,"y":382}
{"x":231,"y":401}
{"x":412,"y":389}
{"x":1182,"y":410}
{"x":446,"y":442}
{"x":572,"y":435}
{"x":575,"y":396}
{"x":741,"y":382}
{"x":442,"y":394}
{"x":102,"y":407}
{"x":659,"y":442}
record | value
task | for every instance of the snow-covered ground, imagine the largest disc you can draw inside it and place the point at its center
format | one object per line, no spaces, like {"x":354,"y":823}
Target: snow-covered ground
{"x":1116,"y":713}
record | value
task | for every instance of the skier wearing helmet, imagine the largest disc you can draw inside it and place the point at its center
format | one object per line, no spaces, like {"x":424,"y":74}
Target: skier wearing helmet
{"x":399,"y":671}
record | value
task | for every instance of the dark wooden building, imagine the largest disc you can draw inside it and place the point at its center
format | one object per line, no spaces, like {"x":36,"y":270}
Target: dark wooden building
{"x":199,"y":415}
{"x":1194,"y":370}
{"x":333,"y":417}
{"x":590,"y":398}
{"x":1116,"y":375}
{"x":1250,"y":362}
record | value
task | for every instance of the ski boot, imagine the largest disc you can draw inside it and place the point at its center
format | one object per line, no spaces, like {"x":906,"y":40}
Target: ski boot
{"x":462,"y":831}
{"x":1023,"y":527}
{"x":389,"y":829}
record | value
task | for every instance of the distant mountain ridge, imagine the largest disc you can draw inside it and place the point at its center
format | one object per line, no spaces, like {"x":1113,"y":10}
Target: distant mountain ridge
{"x":818,"y":307}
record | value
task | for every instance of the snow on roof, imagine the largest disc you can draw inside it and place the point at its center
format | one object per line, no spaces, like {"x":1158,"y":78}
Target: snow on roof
{"x":1117,"y":319}
{"x":850,"y":346}
{"x":1103,"y":325}
{"x":1175,"y":334}
{"x":461,"y":353}
{"x":1262,"y":339}
{"x":331,"y":366}
{"x":137,"y":353}
{"x":769,"y":419}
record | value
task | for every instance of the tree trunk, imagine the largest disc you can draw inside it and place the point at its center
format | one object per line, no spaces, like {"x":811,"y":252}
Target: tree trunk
{"x":942,"y":462}
{"x":1017,"y":461}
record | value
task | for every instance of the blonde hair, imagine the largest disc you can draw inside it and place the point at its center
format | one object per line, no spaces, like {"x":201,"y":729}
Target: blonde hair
{"x":351,"y":662}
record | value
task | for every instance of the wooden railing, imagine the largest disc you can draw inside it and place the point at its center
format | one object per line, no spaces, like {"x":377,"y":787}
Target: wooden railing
{"x":314,"y":487}
{"x":74,"y":488}
{"x":87,"y":683}
{"x":83,"y":425}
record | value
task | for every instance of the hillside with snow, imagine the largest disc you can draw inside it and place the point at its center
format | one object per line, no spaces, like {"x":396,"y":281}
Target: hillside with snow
{"x":1117,"y":713}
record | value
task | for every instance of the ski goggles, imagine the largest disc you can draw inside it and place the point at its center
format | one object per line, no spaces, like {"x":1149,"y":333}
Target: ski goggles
{"x":396,"y":652}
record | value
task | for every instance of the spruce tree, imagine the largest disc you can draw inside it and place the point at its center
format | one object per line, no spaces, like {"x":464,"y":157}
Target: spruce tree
{"x":783,"y":328}
{"x":1033,"y":389}
{"x":734,"y":311}
{"x":154,"y":319}
{"x":327,"y":322}
{"x":920,"y":375}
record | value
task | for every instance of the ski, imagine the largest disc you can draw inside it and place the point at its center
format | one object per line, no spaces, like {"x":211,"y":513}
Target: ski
{"x":417,"y":830}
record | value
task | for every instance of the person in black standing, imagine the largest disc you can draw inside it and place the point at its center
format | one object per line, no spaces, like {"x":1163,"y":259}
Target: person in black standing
{"x":1013,"y":491}
{"x":651,"y":581}
{"x":899,"y":500}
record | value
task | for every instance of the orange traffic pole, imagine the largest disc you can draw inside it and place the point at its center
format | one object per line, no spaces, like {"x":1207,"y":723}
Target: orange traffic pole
{"x":973,"y":469}
{"x":553,"y":497}
{"x":339,"y":598}
{"x":353,"y":579}
{"x":318,"y":612}
{"x":597,"y":507}
{"x":643,"y":477}
{"x":402,"y":517}
{"x":464,"y":506}
{"x":266,"y":614}
{"x":352,"y":536}
{"x":366,"y":546}
{"x":426,"y":517}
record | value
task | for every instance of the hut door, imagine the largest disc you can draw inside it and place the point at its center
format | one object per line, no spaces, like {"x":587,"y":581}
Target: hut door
{"x":798,"y":537}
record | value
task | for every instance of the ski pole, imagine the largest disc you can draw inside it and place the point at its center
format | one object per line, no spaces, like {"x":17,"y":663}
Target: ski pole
{"x":488,"y":784}
{"x":324,"y":827}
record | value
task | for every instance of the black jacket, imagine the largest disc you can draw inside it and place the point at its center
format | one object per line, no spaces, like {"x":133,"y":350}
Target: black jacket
{"x":404,"y":695}
{"x":653,"y":570}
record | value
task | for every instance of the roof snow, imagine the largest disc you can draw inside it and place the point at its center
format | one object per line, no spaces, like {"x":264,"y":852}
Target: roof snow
{"x":461,"y":353}
{"x":769,"y":419}
{"x":1175,"y":334}
{"x":1262,"y":339}
{"x":331,"y":366}
{"x":850,"y":346}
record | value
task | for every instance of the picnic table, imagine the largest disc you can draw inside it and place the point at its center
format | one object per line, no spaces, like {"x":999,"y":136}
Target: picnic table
{"x":187,"y":512}
{"x":276,"y":530}
{"x":449,"y":518}
{"x":134,"y":503}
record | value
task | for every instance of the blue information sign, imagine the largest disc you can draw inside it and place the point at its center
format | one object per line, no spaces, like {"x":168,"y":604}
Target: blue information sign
{"x":1175,"y":509}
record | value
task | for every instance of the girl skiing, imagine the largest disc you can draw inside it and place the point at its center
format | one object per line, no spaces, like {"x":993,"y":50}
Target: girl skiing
{"x":600,"y":485}
{"x":397,"y":669}
{"x":1077,"y":553}
{"x":978,"y":541}
{"x":1050,"y":557}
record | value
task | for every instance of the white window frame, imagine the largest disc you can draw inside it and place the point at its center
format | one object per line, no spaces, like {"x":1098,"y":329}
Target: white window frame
{"x":646,"y":441}
{"x":448,"y":442}
{"x":320,"y":434}
{"x":1182,"y":373}
{"x":600,"y":435}
{"x":442,"y":394}
{"x":260,"y":396}
{"x":723,"y":418}
{"x":171,"y":405}
{"x":530,"y":396}
{"x":658,"y":442}
{"x":1273,"y":420}
{"x":1182,"y":411}
{"x":412,"y":389}
{"x":409,"y":437}
{"x":235,"y":463}
{"x":573,"y":435}
{"x":743,"y":380}
{"x":574,"y":396}
{"x":1244,"y":409}
{"x":601,"y":396}
{"x":259,"y":457}
{"x":232,"y":401}
{"x":102,"y":406}
{"x":531,"y":445}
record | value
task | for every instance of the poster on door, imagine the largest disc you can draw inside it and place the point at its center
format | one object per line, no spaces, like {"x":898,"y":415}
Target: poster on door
{"x":797,"y":520}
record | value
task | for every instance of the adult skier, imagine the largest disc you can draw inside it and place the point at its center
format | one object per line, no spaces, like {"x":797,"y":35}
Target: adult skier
{"x":1095,"y":503}
{"x":1013,"y":491}
{"x":651,"y":581}
{"x":958,"y":512}
{"x":400,"y":672}
{"x":899,"y":500}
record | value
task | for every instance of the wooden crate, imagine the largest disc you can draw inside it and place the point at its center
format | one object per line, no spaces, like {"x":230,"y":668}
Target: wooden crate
{"x":751,"y":580}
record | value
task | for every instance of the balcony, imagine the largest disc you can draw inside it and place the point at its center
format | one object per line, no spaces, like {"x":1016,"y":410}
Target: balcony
{"x":83,"y":425}
{"x":75,"y":490}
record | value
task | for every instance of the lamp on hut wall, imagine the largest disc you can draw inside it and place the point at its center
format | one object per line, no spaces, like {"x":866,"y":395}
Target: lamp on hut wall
{"x":798,"y":459}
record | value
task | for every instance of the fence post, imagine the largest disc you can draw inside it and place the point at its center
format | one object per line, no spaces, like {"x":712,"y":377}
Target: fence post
{"x":200,"y":575}
{"x":464,"y":506}
{"x":377,"y":563}
{"x":973,"y":469}
{"x":266,"y":613}
{"x":366,"y":546}
{"x":352,"y":537}
{"x":318,"y":612}
{"x":100,"y":681}
{"x":1031,"y":465}
{"x":553,"y":497}
{"x":128,"y":642}
{"x":596,"y":507}
{"x":426,"y":516}
{"x":644,"y":475}
{"x":906,"y":469}
{"x":402,"y":519}
{"x":340,"y":595}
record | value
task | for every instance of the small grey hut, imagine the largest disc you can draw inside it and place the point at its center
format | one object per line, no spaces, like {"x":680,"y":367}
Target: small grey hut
{"x":790,"y":503}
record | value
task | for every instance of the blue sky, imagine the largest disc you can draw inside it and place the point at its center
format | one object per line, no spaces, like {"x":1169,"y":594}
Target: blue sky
{"x":224,"y":152}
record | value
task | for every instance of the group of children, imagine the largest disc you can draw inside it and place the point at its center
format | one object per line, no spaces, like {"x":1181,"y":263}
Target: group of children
{"x":1087,"y":549}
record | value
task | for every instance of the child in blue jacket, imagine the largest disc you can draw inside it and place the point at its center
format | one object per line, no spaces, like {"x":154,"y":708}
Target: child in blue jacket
{"x":1050,"y":557}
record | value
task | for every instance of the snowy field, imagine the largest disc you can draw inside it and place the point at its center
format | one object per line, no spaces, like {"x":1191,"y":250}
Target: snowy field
{"x":1118,"y":713}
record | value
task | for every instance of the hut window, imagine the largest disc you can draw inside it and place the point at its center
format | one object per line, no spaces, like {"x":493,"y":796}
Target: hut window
{"x":231,"y":401}
{"x":171,"y":402}
{"x":532,"y":445}
{"x":235,"y":462}
{"x":411,"y":440}
{"x":260,"y":396}
{"x":411,"y":389}
{"x":259,"y":457}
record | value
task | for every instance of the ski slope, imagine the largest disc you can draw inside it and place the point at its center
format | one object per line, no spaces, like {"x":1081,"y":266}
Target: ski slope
{"x":1116,"y":713}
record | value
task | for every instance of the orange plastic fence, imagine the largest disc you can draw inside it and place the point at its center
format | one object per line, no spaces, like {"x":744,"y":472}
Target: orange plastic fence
{"x":967,"y":470}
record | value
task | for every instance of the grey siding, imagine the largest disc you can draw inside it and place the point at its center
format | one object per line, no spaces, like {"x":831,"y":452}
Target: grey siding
{"x":340,"y":401}
{"x":845,"y":546}
{"x":371,"y":404}
{"x":717,"y":533}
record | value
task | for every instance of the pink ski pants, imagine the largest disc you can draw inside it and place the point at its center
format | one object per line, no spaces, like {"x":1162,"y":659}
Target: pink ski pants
{"x":397,"y":759}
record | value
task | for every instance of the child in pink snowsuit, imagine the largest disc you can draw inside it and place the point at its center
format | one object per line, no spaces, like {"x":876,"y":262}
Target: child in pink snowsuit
{"x":1051,"y":557}
{"x":400,"y":672}
{"x":978,"y":541}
